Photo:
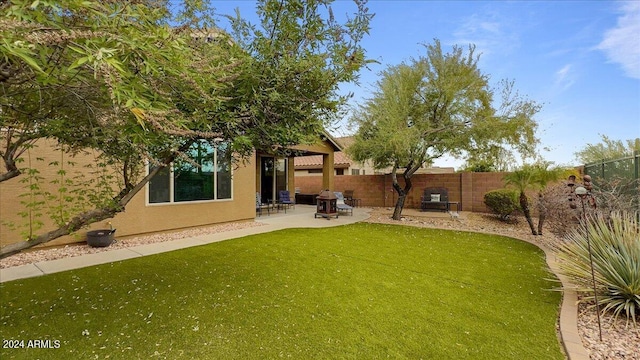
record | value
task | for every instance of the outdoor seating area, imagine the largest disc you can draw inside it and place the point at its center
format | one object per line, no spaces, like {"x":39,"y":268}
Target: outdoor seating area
{"x":340,"y":204}
{"x":260,"y":206}
{"x":350,"y":199}
{"x":435,"y":198}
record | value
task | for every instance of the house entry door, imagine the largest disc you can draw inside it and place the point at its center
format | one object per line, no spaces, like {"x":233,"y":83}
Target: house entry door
{"x":273,"y":178}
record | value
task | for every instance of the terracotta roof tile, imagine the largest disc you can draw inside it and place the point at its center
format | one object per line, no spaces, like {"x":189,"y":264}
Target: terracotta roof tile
{"x":340,"y":161}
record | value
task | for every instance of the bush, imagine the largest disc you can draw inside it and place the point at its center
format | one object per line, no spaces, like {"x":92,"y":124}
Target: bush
{"x":615,"y":248}
{"x":502,"y":202}
{"x":613,"y":195}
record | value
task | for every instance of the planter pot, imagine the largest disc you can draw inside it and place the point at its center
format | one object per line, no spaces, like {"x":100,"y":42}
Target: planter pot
{"x":100,"y":238}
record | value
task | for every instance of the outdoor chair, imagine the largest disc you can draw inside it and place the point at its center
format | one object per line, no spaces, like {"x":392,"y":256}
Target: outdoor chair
{"x":435,"y":199}
{"x":349,"y":198}
{"x":260,"y":205}
{"x":340,"y":205}
{"x":284,"y":200}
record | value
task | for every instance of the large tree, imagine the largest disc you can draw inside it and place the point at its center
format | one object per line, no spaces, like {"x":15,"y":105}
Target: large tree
{"x":437,"y":104}
{"x":114,"y":77}
{"x":144,"y":89}
{"x":300,"y":53}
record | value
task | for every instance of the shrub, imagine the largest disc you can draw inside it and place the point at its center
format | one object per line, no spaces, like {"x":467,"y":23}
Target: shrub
{"x":612,"y":195}
{"x":502,"y":202}
{"x":615,"y":248}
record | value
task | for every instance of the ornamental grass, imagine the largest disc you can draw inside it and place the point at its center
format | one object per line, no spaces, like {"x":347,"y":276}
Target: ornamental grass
{"x":615,"y":248}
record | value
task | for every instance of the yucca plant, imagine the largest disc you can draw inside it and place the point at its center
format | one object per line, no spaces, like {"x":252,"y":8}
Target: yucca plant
{"x":615,"y":247}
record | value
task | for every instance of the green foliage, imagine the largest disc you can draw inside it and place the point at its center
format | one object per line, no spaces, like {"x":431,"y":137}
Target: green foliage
{"x":615,"y":247}
{"x":533,"y":177}
{"x":489,"y":158}
{"x":136,"y":80}
{"x":440,"y":103}
{"x":72,"y":191}
{"x":299,"y":54}
{"x":502,"y":202}
{"x":607,"y":149}
{"x":381,"y":292}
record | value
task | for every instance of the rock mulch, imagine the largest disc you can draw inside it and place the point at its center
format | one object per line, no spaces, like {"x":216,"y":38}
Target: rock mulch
{"x":619,"y":340}
{"x":46,"y":254}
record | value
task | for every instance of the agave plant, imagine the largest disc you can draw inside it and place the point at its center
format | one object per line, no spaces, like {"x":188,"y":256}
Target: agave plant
{"x":615,"y":247}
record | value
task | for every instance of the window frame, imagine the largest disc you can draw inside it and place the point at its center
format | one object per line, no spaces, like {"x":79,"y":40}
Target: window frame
{"x":186,"y":202}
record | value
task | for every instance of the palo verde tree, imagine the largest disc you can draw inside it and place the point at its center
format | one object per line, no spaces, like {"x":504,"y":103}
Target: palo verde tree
{"x":300,"y":52}
{"x":149,"y":83}
{"x":438,"y":104}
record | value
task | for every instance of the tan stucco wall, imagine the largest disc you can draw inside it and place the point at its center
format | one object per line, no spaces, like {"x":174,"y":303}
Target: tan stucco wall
{"x":138,"y":218}
{"x":321,"y":147}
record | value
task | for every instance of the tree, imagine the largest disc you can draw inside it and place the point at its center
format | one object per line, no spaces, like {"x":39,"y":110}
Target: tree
{"x":434,"y":105}
{"x":113,"y":77}
{"x":607,"y":149}
{"x":522,"y":180}
{"x":533,"y":177}
{"x":149,"y":90}
{"x":495,"y":158}
{"x":300,"y":53}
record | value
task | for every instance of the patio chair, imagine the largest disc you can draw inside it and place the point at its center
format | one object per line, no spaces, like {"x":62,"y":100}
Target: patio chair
{"x":340,"y":205}
{"x":260,"y":205}
{"x":284,"y":200}
{"x":435,"y":198}
{"x":349,"y":198}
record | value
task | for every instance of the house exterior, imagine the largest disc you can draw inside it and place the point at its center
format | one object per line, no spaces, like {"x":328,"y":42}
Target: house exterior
{"x":344,"y":165}
{"x":184,"y":196}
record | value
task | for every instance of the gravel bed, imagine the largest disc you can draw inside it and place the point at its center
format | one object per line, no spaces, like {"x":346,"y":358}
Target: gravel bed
{"x":619,"y":340}
{"x":46,"y":254}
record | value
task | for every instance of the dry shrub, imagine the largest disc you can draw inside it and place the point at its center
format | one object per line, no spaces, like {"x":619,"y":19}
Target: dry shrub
{"x":610,"y":196}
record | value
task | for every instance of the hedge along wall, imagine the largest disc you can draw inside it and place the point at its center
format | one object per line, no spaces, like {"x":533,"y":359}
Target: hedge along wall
{"x":468,"y":188}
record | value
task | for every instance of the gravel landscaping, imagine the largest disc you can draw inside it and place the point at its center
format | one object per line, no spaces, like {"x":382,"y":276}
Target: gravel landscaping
{"x":619,"y":340}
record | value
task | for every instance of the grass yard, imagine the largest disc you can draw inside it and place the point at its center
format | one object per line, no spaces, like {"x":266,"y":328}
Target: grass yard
{"x":362,"y":291}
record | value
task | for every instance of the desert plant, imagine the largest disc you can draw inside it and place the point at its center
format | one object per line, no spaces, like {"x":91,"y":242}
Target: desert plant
{"x":610,"y":196}
{"x":502,"y":202}
{"x":615,"y":247}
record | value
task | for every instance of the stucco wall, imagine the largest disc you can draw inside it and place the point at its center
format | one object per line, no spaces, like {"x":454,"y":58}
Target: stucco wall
{"x":138,"y":218}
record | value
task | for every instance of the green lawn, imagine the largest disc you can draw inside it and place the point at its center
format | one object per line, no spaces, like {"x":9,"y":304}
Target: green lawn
{"x":362,"y":291}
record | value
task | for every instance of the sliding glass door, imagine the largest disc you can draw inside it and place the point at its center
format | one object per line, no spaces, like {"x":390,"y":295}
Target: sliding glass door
{"x":273,"y":178}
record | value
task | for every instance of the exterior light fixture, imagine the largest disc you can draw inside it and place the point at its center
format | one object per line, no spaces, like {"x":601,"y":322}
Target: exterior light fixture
{"x":583,"y":192}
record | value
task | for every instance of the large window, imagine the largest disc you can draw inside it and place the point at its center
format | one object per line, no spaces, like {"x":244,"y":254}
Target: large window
{"x":207,"y":176}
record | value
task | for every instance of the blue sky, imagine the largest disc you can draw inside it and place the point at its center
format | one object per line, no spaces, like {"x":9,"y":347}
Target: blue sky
{"x":579,"y":59}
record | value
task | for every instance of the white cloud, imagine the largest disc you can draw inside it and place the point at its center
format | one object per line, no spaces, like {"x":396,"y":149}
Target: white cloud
{"x":564,"y":77}
{"x":621,"y":44}
{"x":488,"y":31}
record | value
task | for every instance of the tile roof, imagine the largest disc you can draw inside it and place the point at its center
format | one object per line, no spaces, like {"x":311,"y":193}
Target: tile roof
{"x":340,"y":161}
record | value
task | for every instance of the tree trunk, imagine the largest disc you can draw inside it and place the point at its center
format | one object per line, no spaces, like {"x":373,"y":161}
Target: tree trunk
{"x":542,"y":214}
{"x":10,"y":166}
{"x":402,"y":193}
{"x":524,"y":204}
{"x":86,"y":218}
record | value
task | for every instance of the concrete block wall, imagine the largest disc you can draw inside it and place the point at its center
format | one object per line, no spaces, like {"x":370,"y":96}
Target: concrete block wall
{"x":377,"y":190}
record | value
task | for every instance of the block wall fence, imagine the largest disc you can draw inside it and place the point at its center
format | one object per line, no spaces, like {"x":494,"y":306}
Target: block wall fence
{"x":468,"y":188}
